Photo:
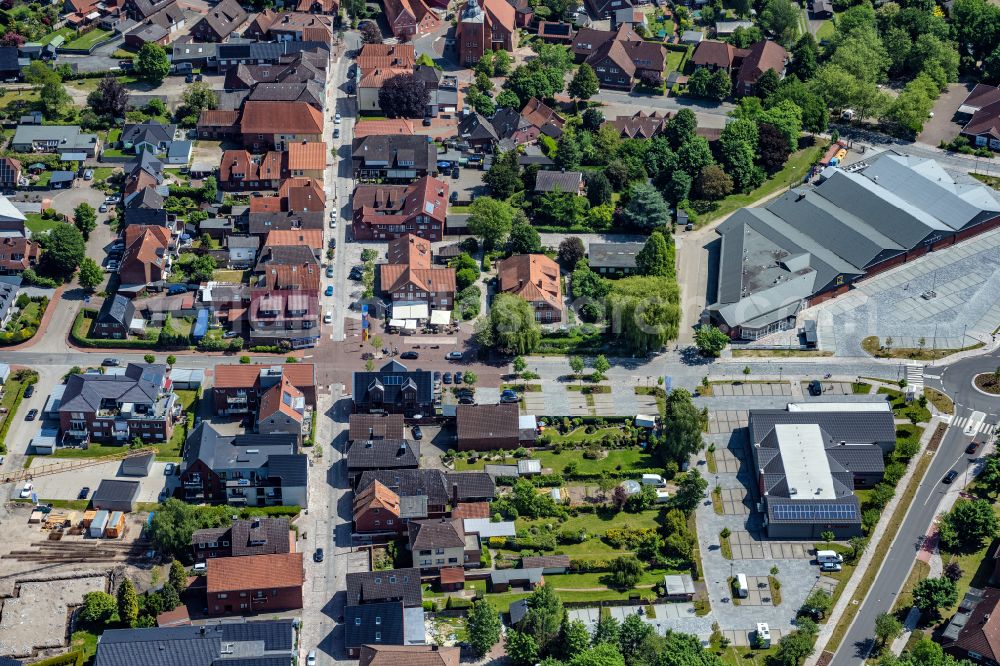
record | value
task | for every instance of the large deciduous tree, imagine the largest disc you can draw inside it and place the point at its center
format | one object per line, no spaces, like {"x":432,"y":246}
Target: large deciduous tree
{"x":682,"y":428}
{"x":510,"y":326}
{"x":403,"y":96}
{"x":64,"y":250}
{"x":491,"y":220}
{"x":152,"y":63}
{"x":655,"y":257}
{"x":110,"y":98}
{"x":646,"y":208}
{"x":484,"y":626}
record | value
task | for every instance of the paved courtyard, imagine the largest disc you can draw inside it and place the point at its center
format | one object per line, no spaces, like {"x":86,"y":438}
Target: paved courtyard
{"x":668,"y":617}
{"x":735,"y":502}
{"x":555,"y":399}
{"x":747,"y":546}
{"x":964,"y":279}
{"x":759,"y":593}
{"x":741,"y":389}
{"x":726,"y":420}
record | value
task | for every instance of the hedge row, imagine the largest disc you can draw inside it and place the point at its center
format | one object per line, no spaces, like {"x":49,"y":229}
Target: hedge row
{"x":68,"y":659}
{"x":10,"y":417}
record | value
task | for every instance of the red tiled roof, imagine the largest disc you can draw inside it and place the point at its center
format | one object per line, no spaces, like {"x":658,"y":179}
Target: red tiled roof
{"x":762,"y":56}
{"x":452,"y":575}
{"x":312,"y":238}
{"x":386,"y":55}
{"x":255,"y":572}
{"x":307,"y":156}
{"x":714,"y":53}
{"x":218,"y":118}
{"x":533,"y":277}
{"x":281,"y":117}
{"x":365,"y":128}
{"x":471,"y":510}
{"x":230,"y":375}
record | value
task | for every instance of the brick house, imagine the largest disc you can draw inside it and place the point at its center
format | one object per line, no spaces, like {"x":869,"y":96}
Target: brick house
{"x":10,"y":172}
{"x":372,"y":587}
{"x":487,"y":427}
{"x":306,"y":159}
{"x":377,"y":509}
{"x":266,"y":125}
{"x":114,"y":319}
{"x":535,"y":278}
{"x":442,"y":543}
{"x":399,"y":158}
{"x":239,"y":170}
{"x":238,"y":388}
{"x":254,"y":584}
{"x":410,"y":17}
{"x":243,"y":538}
{"x":385,"y":212}
{"x":492,"y":27}
{"x":393,"y":389}
{"x":146,"y":258}
{"x":18,"y":254}
{"x":117,"y":408}
{"x":220,"y":22}
{"x":373,"y":454}
{"x":218,"y":124}
{"x":437,"y":489}
{"x":409,"y":279}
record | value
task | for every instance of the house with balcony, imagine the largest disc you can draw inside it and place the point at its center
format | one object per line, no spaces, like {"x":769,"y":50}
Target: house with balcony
{"x":117,"y":408}
{"x":243,"y":538}
{"x":253,"y":389}
{"x":243,"y":470}
{"x":291,"y":315}
{"x":394,"y":389}
{"x":254,"y":584}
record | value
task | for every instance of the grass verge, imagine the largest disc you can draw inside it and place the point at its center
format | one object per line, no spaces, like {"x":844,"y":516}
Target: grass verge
{"x":727,"y":550}
{"x":779,"y":353}
{"x":942,"y":402}
{"x":871,"y":346}
{"x":775,"y":586}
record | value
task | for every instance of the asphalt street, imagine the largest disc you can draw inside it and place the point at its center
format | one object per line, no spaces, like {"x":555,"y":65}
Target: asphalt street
{"x":955,"y":380}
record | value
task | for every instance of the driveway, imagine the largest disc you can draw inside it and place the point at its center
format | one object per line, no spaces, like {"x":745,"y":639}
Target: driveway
{"x":944,"y":126}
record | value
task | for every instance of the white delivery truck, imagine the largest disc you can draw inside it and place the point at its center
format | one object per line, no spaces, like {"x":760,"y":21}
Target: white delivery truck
{"x":654,"y":480}
{"x":824,"y":556}
{"x":741,"y":588}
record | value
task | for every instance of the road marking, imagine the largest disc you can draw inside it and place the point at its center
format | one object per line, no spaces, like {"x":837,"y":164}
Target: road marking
{"x":926,"y":376}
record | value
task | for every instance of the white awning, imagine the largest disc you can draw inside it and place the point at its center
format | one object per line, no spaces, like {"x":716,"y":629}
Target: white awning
{"x":397,"y":323}
{"x":415,"y":311}
{"x":411,"y":325}
{"x":440,"y":317}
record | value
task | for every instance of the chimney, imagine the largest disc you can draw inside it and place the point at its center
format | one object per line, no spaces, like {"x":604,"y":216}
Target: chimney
{"x":454,"y":493}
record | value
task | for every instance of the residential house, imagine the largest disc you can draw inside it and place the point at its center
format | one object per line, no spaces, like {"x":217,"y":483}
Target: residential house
{"x":294,"y":195}
{"x":364,"y":128}
{"x":239,"y":170}
{"x":300,"y":68}
{"x":438,"y":489}
{"x":614,"y":259}
{"x":242,"y":250}
{"x":373,"y":587}
{"x":379,"y":510}
{"x":477,"y":131}
{"x":294,"y":277}
{"x":373,"y":454}
{"x":524,"y":12}
{"x":393,"y":389}
{"x":619,"y":63}
{"x":270,"y":26}
{"x":386,"y":212}
{"x":535,"y":278}
{"x":220,"y":22}
{"x":413,"y":655}
{"x":408,"y":18}
{"x":370,"y":83}
{"x":306,"y":159}
{"x":268,"y":641}
{"x":821,"y":9}
{"x":159,"y":27}
{"x":243,"y":538}
{"x":219,"y":124}
{"x":549,"y":564}
{"x":539,"y":115}
{"x":239,"y":388}
{"x":331,"y":7}
{"x":10,"y":287}
{"x":120,"y":407}
{"x":512,"y":129}
{"x":285,"y":53}
{"x":283,"y":406}
{"x":292,"y":238}
{"x":114,"y":319}
{"x":604,"y":9}
{"x":310,"y":92}
{"x":265,"y":125}
{"x":441,"y":543}
{"x":973,"y":633}
{"x":382,"y":56}
{"x":396,"y":158}
{"x":375,"y":427}
{"x":10,"y":172}
{"x":982,"y":105}
{"x":640,"y":125}
{"x":566,"y":182}
{"x":409,"y":278}
{"x":556,"y":32}
{"x":18,"y":254}
{"x":146,"y":260}
{"x":761,"y":57}
{"x":139,"y":10}
{"x":243,"y":470}
{"x":10,"y":63}
{"x":629,"y":16}
{"x":65,"y":140}
{"x":254,"y":584}
{"x":490,"y":27}
{"x":149,"y":136}
{"x":387,"y":623}
{"x":487,"y":427}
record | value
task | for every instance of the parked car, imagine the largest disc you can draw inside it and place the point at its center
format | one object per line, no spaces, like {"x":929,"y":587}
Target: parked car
{"x":815,"y":387}
{"x":458,"y":377}
{"x":830,"y":566}
{"x":84,"y":493}
{"x":337,"y":118}
{"x":453,"y":198}
{"x":329,"y":290}
{"x":508,"y":395}
{"x":318,"y":557}
{"x":333,"y":243}
{"x":336,"y":132}
{"x":168,"y":470}
{"x":311,"y":659}
{"x":454,"y":356}
{"x":437,"y":375}
{"x":26,"y":490}
{"x":329,"y":271}
{"x":328,"y":317}
{"x":418,"y":434}
{"x":950,"y":477}
{"x":972,"y":448}
{"x":88,"y":174}
{"x":103,"y":208}
{"x":447,"y":378}
{"x":426,"y":122}
{"x":454,"y":173}
{"x":32,"y":413}
{"x":110,"y":362}
{"x":409,"y":355}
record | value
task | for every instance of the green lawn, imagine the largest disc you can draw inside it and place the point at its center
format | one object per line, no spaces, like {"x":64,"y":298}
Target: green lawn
{"x":674,"y":59}
{"x":795,"y":169}
{"x":905,"y":410}
{"x":67,"y":33}
{"x":37,"y":225}
{"x":573,"y":588}
{"x":103,"y":173}
{"x":229,"y":276}
{"x":826,"y":31}
{"x":43,"y":178}
{"x":616,"y":459}
{"x":88,"y":40}
{"x":596,"y":525}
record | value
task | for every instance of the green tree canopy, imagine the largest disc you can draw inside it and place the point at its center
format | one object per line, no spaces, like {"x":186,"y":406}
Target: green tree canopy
{"x":656,"y":256}
{"x":491,"y":220}
{"x":128,"y":603}
{"x":584,"y":84}
{"x":932,"y":594}
{"x":64,"y":250}
{"x":710,"y":340}
{"x":483,"y":625}
{"x":646,"y":208}
{"x":682,"y":428}
{"x":90,"y":275}
{"x":152,"y":63}
{"x":510,"y":326}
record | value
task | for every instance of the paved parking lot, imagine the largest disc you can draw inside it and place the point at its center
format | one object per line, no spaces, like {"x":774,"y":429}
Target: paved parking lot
{"x":668,"y":617}
{"x":965,"y":279}
{"x":726,"y":420}
{"x":945,"y":125}
{"x":469,"y":185}
{"x":742,"y":637}
{"x":759,"y":593}
{"x":830,"y":388}
{"x":727,"y":461}
{"x":67,"y":485}
{"x":746,"y":546}
{"x":741,"y":389}
{"x":735,"y":502}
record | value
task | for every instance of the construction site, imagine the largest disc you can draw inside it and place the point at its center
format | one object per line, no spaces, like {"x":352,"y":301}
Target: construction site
{"x":49,"y":559}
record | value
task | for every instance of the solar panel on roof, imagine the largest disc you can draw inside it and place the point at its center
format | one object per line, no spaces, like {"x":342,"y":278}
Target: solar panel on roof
{"x":816,"y":512}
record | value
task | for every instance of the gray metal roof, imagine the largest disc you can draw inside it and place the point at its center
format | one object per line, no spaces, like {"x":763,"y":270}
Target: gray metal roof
{"x":852,"y":427}
{"x":197,"y":645}
{"x":613,"y":255}
{"x":387,"y":585}
{"x":509,"y":575}
{"x":138,"y":384}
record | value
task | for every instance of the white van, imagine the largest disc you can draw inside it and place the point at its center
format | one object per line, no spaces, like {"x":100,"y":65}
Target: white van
{"x":653,"y":480}
{"x":742,"y":589}
{"x":763,"y":635}
{"x":824,"y":556}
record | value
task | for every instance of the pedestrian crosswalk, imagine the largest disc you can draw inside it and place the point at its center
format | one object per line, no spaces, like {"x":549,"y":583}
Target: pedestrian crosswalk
{"x":915,"y":378}
{"x":979,"y":425}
